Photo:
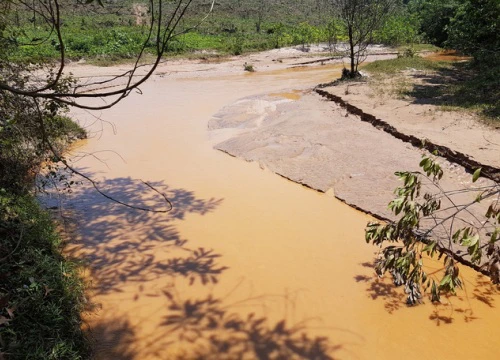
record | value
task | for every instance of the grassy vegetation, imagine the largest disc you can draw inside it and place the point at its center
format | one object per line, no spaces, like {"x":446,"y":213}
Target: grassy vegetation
{"x":393,"y":66}
{"x":117,"y":31}
{"x":124,"y":42}
{"x":448,"y":84}
{"x":419,"y":47}
{"x":41,"y":295}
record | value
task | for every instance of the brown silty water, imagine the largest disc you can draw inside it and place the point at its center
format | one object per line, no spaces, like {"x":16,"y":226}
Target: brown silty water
{"x":246,"y":262}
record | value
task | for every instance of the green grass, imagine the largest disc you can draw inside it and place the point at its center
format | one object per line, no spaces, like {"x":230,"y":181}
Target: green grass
{"x":420,"y":47}
{"x":41,"y":292}
{"x":393,"y":66}
{"x":114,"y":37}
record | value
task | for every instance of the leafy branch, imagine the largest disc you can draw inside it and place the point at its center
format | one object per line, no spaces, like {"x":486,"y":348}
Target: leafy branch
{"x":426,"y":230}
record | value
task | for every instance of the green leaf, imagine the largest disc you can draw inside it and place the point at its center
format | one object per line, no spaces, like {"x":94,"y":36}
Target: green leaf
{"x":446,"y":281}
{"x":424,"y":162}
{"x":476,"y":175}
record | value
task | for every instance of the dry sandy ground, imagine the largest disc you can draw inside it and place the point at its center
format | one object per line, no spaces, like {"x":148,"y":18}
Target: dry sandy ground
{"x":208,"y":67}
{"x":459,"y":130}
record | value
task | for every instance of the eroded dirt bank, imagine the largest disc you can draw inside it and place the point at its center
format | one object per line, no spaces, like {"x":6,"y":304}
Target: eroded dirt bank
{"x":241,"y":241}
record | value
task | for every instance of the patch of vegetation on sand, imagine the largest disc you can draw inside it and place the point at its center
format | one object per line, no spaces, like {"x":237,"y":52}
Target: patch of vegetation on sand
{"x":451,"y":85}
{"x":400,"y":64}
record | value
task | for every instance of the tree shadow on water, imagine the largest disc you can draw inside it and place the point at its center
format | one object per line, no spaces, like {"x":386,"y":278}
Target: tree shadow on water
{"x":121,"y":244}
{"x":127,"y":245}
{"x":211,"y":330}
{"x":451,"y":308}
{"x":381,"y":289}
{"x":113,"y":340}
{"x":205,"y":328}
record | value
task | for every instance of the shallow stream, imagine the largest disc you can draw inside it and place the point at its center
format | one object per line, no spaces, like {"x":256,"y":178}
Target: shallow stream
{"x":240,"y":240}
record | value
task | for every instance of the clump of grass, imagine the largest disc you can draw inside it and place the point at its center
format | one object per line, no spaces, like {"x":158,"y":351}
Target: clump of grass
{"x":41,"y":292}
{"x":248,"y":67}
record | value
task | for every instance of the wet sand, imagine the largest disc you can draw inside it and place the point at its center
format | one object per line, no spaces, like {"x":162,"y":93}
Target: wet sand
{"x":239,"y":241}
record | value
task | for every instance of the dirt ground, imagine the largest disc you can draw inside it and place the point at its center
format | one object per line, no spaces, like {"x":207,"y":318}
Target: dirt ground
{"x":459,"y":130}
{"x":210,"y":66}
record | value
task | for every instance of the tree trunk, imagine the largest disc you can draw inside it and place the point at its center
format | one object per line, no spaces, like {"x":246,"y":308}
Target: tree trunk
{"x":351,"y":45}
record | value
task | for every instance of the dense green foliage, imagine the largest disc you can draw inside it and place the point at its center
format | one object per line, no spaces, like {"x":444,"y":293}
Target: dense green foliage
{"x":40,"y":292}
{"x":470,"y":26}
{"x":118,"y":30}
{"x":434,"y":17}
{"x":399,"y":29}
{"x":26,"y":136}
{"x":475,"y":30}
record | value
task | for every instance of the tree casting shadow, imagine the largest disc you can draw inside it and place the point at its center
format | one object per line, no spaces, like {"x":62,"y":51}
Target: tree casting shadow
{"x":445,"y":313}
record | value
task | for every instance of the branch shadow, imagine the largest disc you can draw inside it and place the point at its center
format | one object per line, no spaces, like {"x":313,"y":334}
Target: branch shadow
{"x":485,"y":290}
{"x":127,"y":245}
{"x":382,"y":290}
{"x":444,"y":313}
{"x":212,"y":331}
{"x":124,"y":245}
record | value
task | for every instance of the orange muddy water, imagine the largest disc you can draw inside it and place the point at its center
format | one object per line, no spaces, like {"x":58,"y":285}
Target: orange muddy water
{"x":246,"y":262}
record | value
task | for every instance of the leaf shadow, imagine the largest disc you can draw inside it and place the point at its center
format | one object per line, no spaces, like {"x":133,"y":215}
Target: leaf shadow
{"x":121,"y":244}
{"x":212,"y":331}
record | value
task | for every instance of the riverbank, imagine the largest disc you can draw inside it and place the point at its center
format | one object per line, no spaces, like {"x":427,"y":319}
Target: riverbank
{"x":41,"y":292}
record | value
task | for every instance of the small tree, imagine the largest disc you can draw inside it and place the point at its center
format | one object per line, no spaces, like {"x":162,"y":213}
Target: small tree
{"x":360,"y":19}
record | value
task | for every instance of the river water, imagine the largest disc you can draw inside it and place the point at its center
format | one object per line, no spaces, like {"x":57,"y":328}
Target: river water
{"x":246,"y":262}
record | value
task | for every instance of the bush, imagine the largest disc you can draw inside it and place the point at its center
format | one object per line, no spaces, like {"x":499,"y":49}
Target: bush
{"x":475,"y":30}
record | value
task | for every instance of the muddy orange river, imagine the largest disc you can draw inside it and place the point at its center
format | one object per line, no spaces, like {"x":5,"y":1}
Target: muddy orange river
{"x":247,"y":265}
